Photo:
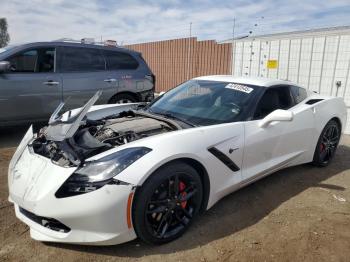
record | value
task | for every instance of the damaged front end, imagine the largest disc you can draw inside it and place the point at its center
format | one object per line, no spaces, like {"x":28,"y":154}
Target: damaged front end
{"x":51,"y":177}
{"x":73,"y":137}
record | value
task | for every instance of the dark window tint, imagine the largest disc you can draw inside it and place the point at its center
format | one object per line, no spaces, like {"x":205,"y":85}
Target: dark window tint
{"x":77,"y":59}
{"x":120,"y":61}
{"x":24,"y":62}
{"x":36,"y":60}
{"x":278,"y":97}
{"x":298,"y":93}
{"x":46,"y":62}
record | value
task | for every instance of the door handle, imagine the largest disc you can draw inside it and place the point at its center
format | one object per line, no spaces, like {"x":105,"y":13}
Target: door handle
{"x":110,"y":80}
{"x":51,"y":83}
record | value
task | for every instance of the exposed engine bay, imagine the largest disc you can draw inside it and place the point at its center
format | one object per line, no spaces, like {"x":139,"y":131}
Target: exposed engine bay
{"x":95,"y":136}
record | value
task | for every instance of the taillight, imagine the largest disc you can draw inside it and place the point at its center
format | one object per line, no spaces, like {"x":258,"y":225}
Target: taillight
{"x":151,"y":78}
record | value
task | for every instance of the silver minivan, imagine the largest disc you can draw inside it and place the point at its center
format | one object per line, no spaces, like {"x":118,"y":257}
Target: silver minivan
{"x":36,"y":77}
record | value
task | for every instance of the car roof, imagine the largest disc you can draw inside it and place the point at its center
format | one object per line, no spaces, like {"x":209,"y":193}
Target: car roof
{"x":72,"y":44}
{"x":256,"y":81}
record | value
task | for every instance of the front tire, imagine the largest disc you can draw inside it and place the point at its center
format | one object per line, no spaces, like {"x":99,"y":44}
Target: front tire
{"x":167,"y":203}
{"x":327,"y":144}
{"x":123,"y":99}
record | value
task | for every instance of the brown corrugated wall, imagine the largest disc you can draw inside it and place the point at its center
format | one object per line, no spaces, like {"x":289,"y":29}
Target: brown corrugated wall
{"x":169,"y":60}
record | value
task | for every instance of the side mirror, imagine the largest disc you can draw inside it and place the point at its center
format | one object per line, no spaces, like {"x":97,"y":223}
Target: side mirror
{"x":277,"y":115}
{"x":4,"y":66}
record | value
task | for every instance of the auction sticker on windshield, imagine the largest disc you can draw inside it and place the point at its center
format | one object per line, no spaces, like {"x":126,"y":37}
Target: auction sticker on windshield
{"x":241,"y":88}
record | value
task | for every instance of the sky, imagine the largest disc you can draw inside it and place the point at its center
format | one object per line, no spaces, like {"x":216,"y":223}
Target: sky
{"x":137,"y":21}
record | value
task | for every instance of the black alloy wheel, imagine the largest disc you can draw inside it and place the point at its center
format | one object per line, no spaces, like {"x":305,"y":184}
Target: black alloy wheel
{"x":167,"y":203}
{"x":327,"y":144}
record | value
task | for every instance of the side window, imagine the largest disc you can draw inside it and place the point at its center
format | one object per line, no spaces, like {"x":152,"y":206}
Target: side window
{"x":77,"y":59}
{"x":277,"y":97}
{"x":33,"y":61}
{"x":120,"y":61}
{"x":46,"y":60}
{"x":24,"y":62}
{"x":298,"y":93}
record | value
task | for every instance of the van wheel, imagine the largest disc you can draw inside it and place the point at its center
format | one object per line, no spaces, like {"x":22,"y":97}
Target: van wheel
{"x":123,"y":99}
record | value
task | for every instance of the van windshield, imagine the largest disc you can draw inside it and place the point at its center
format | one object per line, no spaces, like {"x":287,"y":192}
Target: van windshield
{"x":6,"y":48}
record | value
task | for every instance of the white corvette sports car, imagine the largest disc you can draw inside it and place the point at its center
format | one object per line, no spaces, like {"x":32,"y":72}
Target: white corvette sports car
{"x":104,"y":175}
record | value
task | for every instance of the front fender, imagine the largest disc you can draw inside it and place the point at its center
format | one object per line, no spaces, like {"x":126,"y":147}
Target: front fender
{"x":191,"y":144}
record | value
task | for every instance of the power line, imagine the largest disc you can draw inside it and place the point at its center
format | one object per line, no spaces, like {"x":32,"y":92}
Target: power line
{"x":218,"y":29}
{"x":202,"y":25}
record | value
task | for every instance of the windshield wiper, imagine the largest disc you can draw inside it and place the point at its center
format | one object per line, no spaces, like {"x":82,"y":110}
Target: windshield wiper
{"x":171,"y":116}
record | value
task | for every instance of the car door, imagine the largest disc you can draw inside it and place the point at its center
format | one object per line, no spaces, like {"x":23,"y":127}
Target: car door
{"x":83,"y":71}
{"x":31,"y":89}
{"x":280,"y":143}
{"x":227,"y":153}
{"x":125,"y":72}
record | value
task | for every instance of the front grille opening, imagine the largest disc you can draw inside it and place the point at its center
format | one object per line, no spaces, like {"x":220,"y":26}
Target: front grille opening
{"x":49,"y":223}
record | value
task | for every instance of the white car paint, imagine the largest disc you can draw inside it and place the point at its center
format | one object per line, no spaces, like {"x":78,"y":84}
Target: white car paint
{"x":99,"y":217}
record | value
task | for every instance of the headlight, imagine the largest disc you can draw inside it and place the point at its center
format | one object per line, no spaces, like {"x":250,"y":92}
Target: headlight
{"x":95,"y":174}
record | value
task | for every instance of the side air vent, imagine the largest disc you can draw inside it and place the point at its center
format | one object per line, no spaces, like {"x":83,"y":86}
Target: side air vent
{"x":313,"y":101}
{"x":224,"y":159}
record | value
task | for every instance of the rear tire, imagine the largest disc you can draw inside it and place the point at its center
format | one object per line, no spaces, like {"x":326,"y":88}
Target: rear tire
{"x":123,"y":99}
{"x":327,"y":144}
{"x":167,"y":203}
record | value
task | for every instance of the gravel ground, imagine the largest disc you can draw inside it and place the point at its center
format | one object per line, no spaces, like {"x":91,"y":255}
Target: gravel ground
{"x":298,"y":214}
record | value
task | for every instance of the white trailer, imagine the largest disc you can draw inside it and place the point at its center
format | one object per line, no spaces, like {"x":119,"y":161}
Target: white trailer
{"x":318,"y":59}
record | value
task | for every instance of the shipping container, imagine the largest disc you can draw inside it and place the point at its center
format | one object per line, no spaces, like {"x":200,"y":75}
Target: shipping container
{"x":318,"y":60}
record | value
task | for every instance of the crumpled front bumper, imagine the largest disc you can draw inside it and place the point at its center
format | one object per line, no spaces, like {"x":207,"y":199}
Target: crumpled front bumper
{"x":99,"y":217}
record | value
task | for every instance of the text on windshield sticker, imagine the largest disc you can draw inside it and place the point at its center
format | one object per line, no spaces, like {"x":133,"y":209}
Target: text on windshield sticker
{"x":241,"y":88}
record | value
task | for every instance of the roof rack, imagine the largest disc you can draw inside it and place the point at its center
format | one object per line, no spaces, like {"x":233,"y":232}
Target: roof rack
{"x":90,"y":41}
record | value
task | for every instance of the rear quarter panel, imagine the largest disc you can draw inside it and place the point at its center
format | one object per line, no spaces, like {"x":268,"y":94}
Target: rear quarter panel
{"x":330,"y":107}
{"x":324,"y":111}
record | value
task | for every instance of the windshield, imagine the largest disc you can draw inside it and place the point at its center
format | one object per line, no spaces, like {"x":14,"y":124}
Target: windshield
{"x":202,"y":102}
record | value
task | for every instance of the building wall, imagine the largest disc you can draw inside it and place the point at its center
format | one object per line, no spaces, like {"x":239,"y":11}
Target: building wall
{"x":314,"y":59}
{"x":175,"y":61}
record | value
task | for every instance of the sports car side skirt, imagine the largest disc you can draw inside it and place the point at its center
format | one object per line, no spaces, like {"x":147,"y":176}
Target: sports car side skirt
{"x":224,"y":159}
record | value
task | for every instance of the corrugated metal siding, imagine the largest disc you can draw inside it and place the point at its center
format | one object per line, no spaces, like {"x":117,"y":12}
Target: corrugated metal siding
{"x":169,"y":60}
{"x":315,"y":61}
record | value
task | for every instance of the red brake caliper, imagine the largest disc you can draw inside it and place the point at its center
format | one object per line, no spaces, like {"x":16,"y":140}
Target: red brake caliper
{"x":322,"y":147}
{"x":182,"y":187}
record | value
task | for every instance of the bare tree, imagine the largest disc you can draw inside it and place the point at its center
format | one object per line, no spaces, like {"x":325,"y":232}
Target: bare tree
{"x":4,"y":35}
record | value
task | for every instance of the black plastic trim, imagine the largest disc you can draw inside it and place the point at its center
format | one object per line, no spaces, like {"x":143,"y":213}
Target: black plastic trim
{"x":224,"y":159}
{"x":313,"y":101}
{"x":47,"y":222}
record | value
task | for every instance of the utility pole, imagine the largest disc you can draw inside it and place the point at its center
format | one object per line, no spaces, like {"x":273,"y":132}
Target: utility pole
{"x":189,"y":53}
{"x":233,"y":39}
{"x":251,"y":47}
